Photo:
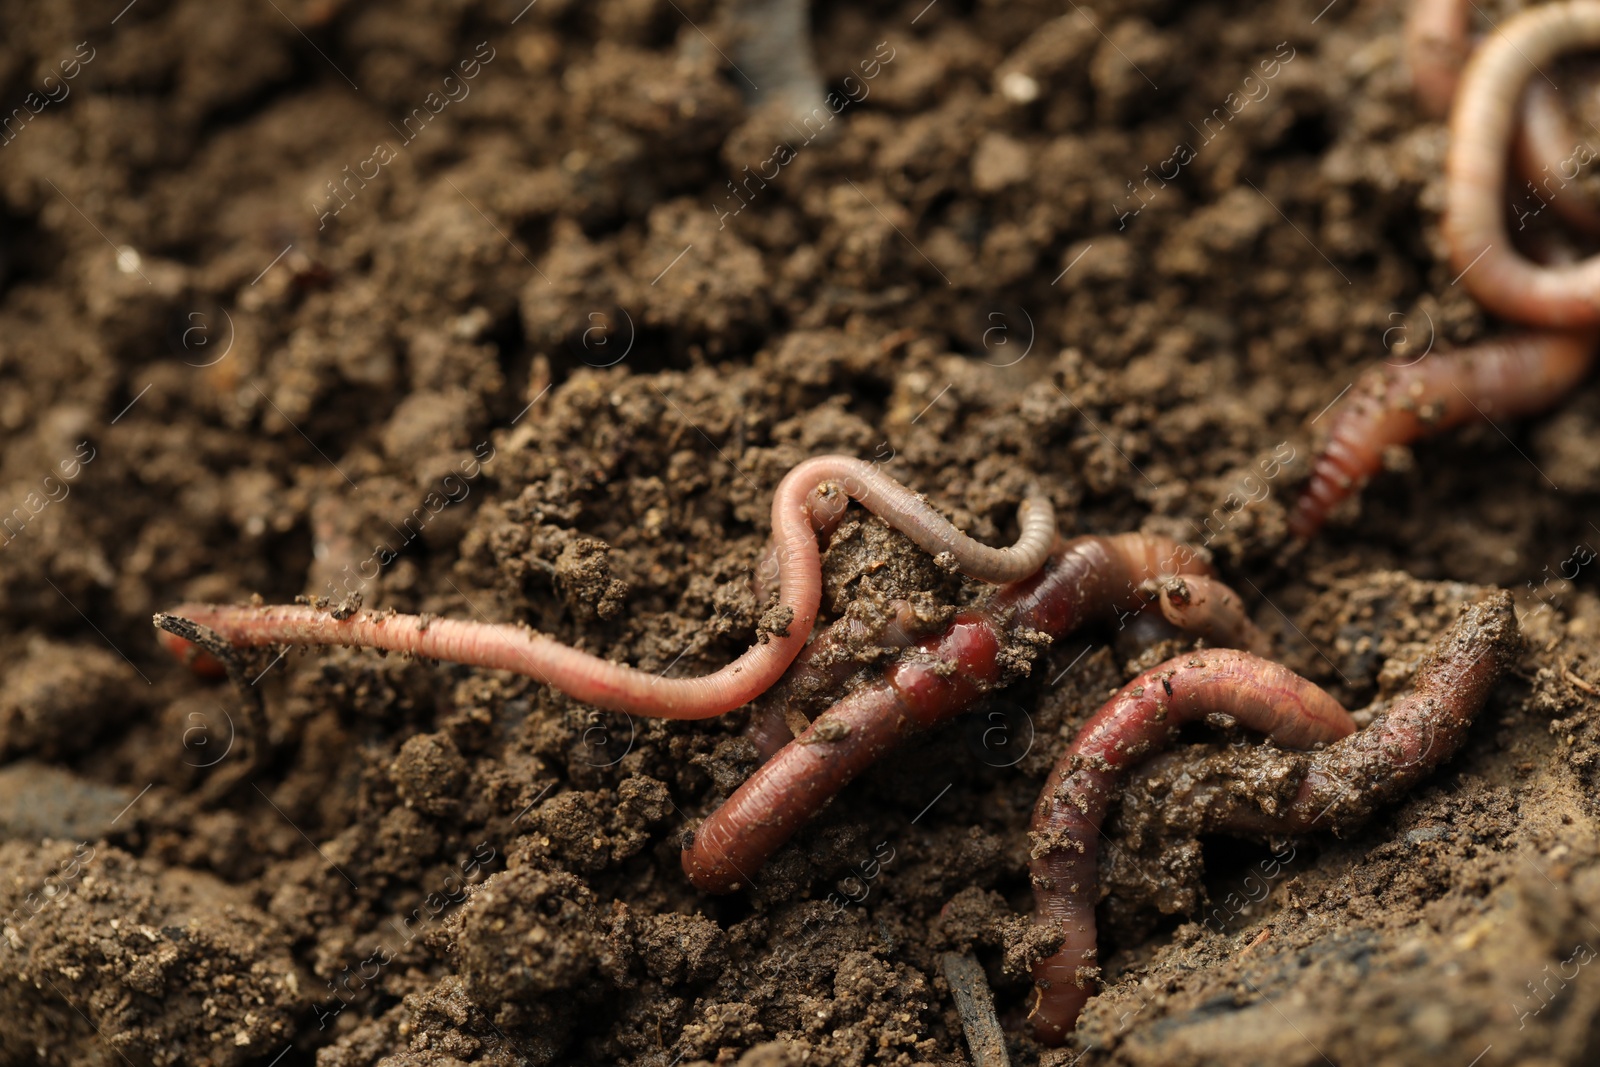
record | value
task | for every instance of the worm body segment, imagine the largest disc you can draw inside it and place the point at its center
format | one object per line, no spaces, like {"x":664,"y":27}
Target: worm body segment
{"x":1393,"y":406}
{"x":1436,"y":47}
{"x":1208,"y":609}
{"x":1192,"y":603}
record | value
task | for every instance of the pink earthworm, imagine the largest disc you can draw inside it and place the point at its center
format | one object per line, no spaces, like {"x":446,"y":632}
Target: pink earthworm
{"x":1193,"y":604}
{"x":1546,"y":147}
{"x":619,"y":687}
{"x":1391,"y":406}
{"x":1515,"y":375}
{"x":983,"y":648}
{"x":1482,"y":122}
{"x":1437,"y":43}
{"x":1339,"y":785}
{"x":1208,"y":609}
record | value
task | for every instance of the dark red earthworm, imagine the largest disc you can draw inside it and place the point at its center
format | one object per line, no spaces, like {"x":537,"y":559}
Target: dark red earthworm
{"x":982,"y":648}
{"x":1391,"y":406}
{"x":1194,"y":604}
{"x":1339,"y":788}
{"x":1142,"y":717}
{"x":816,"y":678}
{"x":1342,"y":783}
{"x":803,"y":502}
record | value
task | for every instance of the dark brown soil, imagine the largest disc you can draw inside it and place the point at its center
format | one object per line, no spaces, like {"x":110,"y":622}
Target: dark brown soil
{"x":447,"y":305}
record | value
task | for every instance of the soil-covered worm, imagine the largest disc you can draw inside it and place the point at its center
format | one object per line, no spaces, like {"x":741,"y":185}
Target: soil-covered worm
{"x":1253,"y":792}
{"x":1482,"y":121}
{"x":1392,"y":406}
{"x":1194,"y":603}
{"x":931,"y":681}
{"x":808,"y":500}
{"x":1338,"y":786}
{"x":849,"y":645}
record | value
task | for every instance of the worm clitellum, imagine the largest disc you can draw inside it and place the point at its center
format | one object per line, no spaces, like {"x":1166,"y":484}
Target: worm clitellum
{"x":803,"y":505}
{"x":929,"y":682}
{"x":1339,"y":785}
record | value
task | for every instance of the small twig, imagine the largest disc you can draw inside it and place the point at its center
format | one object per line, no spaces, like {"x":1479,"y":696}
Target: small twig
{"x":970,"y":988}
{"x":1256,"y":942}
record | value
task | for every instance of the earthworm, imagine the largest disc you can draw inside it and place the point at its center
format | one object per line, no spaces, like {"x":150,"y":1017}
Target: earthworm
{"x":1395,"y":406}
{"x":1193,"y":604}
{"x":936,"y":678}
{"x":1341,"y":784}
{"x":1340,"y":787}
{"x":1482,"y":122}
{"x":619,"y":687}
{"x":1545,"y":147}
{"x":1436,"y":48}
{"x":1437,"y":44}
{"x":819,"y":672}
{"x":1208,"y":609}
{"x":1392,"y":406}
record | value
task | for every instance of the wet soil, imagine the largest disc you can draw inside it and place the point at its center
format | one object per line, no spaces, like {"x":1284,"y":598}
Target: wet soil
{"x":515,"y":312}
